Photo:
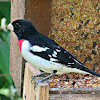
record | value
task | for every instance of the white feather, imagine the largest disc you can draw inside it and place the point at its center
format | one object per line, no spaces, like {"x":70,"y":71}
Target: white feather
{"x":52,"y":59}
{"x":58,"y":50}
{"x":54,"y":54}
{"x":36,"y":48}
{"x":70,"y":63}
{"x":49,"y":55}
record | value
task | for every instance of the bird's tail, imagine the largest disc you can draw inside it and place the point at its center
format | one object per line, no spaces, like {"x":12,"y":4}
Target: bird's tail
{"x":83,"y":68}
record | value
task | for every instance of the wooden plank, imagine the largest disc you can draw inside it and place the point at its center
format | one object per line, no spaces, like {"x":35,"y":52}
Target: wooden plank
{"x":16,"y":61}
{"x":39,"y":13}
{"x":41,"y":92}
{"x":74,"y":90}
{"x":28,"y":90}
{"x":74,"y":97}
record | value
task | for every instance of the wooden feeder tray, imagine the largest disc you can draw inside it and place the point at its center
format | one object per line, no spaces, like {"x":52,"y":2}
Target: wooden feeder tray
{"x":43,"y":92}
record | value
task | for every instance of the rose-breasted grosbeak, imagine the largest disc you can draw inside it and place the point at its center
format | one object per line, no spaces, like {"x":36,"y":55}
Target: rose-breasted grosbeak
{"x":44,"y":53}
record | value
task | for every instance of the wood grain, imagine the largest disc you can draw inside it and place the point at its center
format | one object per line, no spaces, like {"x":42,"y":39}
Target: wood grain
{"x":41,"y":92}
{"x":16,"y":61}
{"x":39,"y":13}
{"x":74,"y":90}
{"x":74,"y":97}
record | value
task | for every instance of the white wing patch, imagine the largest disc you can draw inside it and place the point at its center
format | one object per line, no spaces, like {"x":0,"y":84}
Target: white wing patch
{"x":52,"y":59}
{"x":70,"y":63}
{"x":54,"y":54}
{"x":36,"y":48}
{"x":58,"y":50}
{"x":50,"y":56}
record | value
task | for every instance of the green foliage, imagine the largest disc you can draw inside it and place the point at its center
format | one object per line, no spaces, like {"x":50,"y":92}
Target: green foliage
{"x":7,"y":90}
{"x":5,"y":10}
{"x":3,"y":97}
{"x":5,"y":44}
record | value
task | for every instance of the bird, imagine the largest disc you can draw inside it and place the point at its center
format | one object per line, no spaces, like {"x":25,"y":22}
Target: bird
{"x":44,"y":53}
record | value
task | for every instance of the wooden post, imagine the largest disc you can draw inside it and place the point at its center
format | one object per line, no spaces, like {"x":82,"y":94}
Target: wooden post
{"x":16,"y":60}
{"x":41,"y":92}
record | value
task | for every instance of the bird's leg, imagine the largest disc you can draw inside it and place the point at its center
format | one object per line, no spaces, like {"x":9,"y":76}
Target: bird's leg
{"x":38,"y":75}
{"x":43,"y":79}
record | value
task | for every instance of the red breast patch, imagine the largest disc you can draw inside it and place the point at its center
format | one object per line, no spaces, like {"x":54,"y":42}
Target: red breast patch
{"x":20,"y":44}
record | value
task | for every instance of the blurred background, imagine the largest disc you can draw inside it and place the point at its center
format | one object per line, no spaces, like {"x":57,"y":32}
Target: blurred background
{"x":7,"y":88}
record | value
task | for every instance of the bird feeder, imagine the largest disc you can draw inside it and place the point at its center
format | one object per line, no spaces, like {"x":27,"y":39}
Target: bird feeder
{"x":74,"y":25}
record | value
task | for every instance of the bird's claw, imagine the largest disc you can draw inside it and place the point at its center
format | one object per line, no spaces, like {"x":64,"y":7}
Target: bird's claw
{"x":38,"y":81}
{"x":38,"y":75}
{"x":33,"y":76}
{"x":41,"y":80}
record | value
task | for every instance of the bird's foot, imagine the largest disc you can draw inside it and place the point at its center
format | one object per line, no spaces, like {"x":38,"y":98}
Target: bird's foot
{"x":43,"y":79}
{"x":38,"y":81}
{"x":38,"y":75}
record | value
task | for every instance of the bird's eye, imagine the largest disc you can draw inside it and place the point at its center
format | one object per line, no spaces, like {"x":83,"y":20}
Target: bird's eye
{"x":18,"y":25}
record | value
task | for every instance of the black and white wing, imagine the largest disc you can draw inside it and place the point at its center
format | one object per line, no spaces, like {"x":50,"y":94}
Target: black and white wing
{"x":49,"y":50}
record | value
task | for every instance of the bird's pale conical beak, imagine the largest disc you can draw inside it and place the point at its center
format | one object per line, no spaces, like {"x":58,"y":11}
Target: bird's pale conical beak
{"x":10,"y":27}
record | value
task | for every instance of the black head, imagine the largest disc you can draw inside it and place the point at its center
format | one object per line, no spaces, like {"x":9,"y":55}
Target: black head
{"x":23,"y":28}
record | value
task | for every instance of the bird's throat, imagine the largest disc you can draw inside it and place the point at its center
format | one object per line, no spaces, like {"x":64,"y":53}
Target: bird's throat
{"x":20,"y":44}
